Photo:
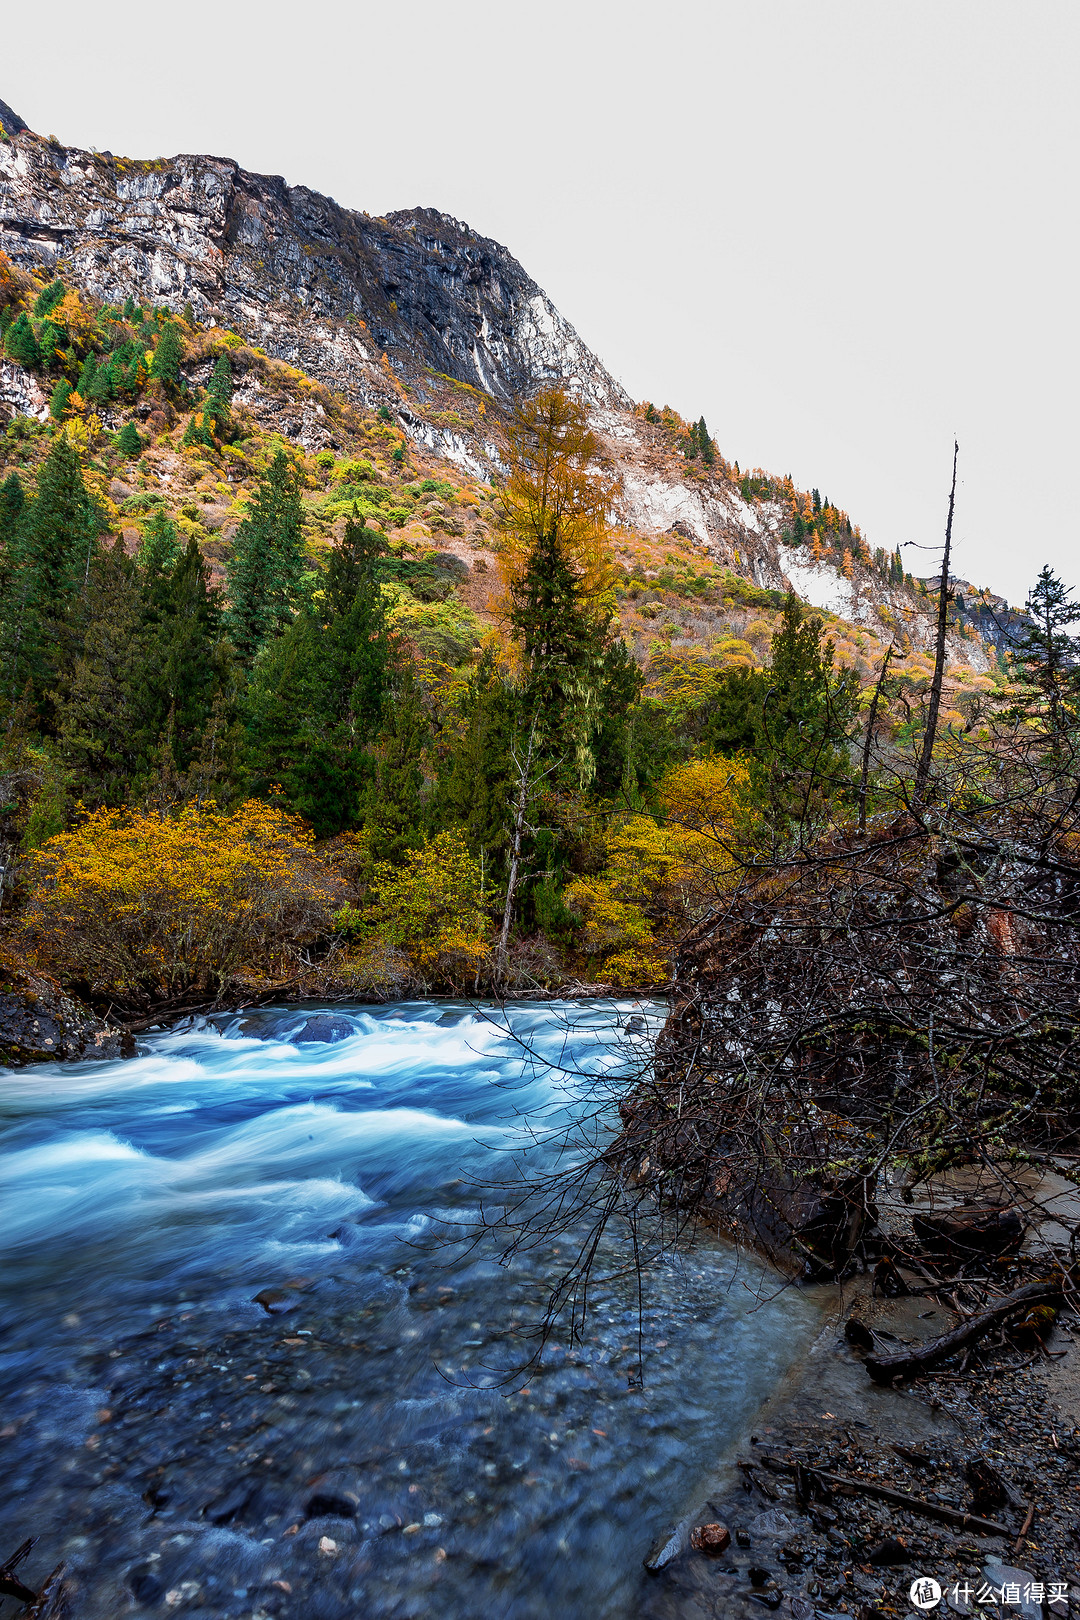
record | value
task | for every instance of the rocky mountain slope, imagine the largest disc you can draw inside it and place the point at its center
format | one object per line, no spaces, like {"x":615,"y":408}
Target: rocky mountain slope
{"x":418,"y":314}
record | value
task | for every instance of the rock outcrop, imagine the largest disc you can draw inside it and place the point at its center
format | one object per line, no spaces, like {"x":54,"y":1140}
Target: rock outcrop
{"x":40,"y":1024}
{"x":315,"y":284}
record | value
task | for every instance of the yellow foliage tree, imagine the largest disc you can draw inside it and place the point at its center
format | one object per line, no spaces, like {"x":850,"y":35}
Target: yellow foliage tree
{"x":432,"y":908}
{"x":558,"y":483}
{"x":657,"y":875}
{"x":147,"y":907}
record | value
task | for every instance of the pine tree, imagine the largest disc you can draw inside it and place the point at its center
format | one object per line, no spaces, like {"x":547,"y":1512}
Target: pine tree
{"x":219,"y":395}
{"x":168,"y":353}
{"x":159,"y":551}
{"x":396,"y":815}
{"x":96,"y":710}
{"x":705,"y":444}
{"x":130,"y":310}
{"x":266,"y":563}
{"x":128,"y":441}
{"x":1048,"y":656}
{"x":20,"y":343}
{"x":60,"y":396}
{"x":563,"y":645}
{"x":316,"y":696}
{"x":53,"y":553}
{"x":48,"y":298}
{"x":180,"y":671}
{"x":12,"y":506}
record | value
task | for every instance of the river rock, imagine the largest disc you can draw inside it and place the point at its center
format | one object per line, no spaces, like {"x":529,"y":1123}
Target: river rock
{"x":323,"y":1028}
{"x":40,"y":1024}
{"x":772,"y":1523}
{"x":710,"y":1538}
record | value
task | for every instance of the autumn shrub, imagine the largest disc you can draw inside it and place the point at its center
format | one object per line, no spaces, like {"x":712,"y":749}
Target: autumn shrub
{"x":659,"y":874}
{"x":148,"y":907}
{"x":432,"y":908}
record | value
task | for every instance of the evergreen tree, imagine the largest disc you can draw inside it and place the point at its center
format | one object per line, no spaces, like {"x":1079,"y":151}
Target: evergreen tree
{"x":12,"y":506}
{"x":20,"y":343}
{"x":315,"y":700}
{"x":159,"y":551}
{"x":97,"y":706}
{"x":87,"y":374}
{"x":705,"y":444}
{"x":180,"y":668}
{"x":128,"y":441}
{"x":563,"y":645}
{"x":396,"y":815}
{"x":168,"y":353}
{"x":53,"y":552}
{"x":1047,"y":654}
{"x":129,"y":311}
{"x":219,"y":395}
{"x":472,"y":788}
{"x":60,"y":396}
{"x":266,"y":562}
{"x":48,"y":298}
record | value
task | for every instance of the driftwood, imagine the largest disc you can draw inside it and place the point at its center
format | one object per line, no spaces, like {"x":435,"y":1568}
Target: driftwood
{"x":885,"y":1493}
{"x":51,"y":1602}
{"x":921,"y":1358}
{"x":10,"y":1584}
{"x":970,"y":1234}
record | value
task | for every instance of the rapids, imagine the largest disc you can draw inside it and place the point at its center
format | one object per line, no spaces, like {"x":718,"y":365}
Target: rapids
{"x":370,"y":1439}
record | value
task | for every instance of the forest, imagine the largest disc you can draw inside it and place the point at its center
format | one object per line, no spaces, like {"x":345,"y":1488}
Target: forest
{"x":298,"y":760}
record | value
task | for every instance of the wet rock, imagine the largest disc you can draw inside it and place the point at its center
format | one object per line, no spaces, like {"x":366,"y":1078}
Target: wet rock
{"x":759,"y":1576}
{"x":742,"y":1538}
{"x":276,"y":1301}
{"x":323,"y":1029}
{"x":665,"y":1549}
{"x":143,"y":1584}
{"x":710,"y":1538}
{"x":889,"y":1551}
{"x":330,"y":1505}
{"x":773,"y":1523}
{"x":231,"y":1505}
{"x":40,"y":1024}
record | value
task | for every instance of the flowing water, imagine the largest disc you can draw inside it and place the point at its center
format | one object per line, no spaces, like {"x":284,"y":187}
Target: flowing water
{"x":369,"y":1439}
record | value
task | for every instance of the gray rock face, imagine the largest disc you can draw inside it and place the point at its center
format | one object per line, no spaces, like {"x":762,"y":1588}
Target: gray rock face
{"x":39,"y":1024}
{"x":13,"y":124}
{"x":315,"y":284}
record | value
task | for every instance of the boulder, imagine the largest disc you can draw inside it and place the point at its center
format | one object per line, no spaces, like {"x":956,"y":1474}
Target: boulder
{"x":40,"y":1024}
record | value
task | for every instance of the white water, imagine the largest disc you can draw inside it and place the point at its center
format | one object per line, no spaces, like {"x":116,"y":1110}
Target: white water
{"x":144,"y":1204}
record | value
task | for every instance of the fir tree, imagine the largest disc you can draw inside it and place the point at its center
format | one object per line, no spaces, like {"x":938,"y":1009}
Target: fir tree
{"x":20,"y":343}
{"x":96,"y":710}
{"x":128,"y":441}
{"x":397,"y":810}
{"x":266,"y":563}
{"x":60,"y":396}
{"x":129,"y":311}
{"x":52,"y":559}
{"x":563,"y":644}
{"x":168,"y":353}
{"x":219,"y":394}
{"x":316,"y":696}
{"x":1046,"y":653}
{"x":180,"y":669}
{"x":48,"y":298}
{"x":159,"y":551}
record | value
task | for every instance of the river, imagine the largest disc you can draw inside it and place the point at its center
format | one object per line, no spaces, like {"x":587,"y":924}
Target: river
{"x":370,"y":1438}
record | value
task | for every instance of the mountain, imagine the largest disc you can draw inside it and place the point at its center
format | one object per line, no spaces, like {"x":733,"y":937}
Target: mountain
{"x":418,"y":314}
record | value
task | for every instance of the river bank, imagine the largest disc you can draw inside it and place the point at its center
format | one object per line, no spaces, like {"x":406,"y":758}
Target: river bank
{"x":804,"y":1553}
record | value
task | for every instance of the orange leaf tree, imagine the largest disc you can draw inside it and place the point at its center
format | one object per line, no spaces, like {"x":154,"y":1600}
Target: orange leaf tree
{"x":148,"y":907}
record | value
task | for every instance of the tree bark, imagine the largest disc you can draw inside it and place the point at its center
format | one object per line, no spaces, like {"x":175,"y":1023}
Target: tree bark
{"x":920,"y":1359}
{"x":922,"y":775}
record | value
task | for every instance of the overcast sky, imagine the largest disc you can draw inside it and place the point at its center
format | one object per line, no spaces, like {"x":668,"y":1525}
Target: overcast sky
{"x":843,"y":230}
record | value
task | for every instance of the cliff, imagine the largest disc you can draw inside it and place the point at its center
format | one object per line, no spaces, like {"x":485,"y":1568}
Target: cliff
{"x":417,"y":313}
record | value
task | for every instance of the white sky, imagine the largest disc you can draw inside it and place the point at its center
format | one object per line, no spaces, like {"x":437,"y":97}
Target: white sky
{"x":843,"y":229}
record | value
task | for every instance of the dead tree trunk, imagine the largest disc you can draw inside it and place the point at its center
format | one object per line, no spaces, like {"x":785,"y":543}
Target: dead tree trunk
{"x":518,"y":807}
{"x":922,"y":774}
{"x":870,"y":718}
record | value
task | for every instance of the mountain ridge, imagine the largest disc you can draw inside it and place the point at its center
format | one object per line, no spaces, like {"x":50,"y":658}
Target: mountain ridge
{"x":417,"y":313}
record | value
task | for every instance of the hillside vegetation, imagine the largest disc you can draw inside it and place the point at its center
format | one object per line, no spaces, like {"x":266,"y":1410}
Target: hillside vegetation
{"x":371,"y":721}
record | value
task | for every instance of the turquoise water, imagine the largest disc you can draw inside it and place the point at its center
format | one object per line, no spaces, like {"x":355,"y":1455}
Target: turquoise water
{"x":373,"y":1438}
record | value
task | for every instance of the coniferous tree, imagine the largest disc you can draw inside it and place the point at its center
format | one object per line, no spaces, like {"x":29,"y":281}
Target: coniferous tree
{"x":128,"y":441}
{"x":397,"y":810}
{"x":266,"y":563}
{"x":180,"y":668}
{"x":563,"y":644}
{"x":20,"y":343}
{"x":12,"y":505}
{"x":52,"y":556}
{"x":60,"y":396}
{"x":48,"y":298}
{"x":168,"y":353}
{"x":219,"y":394}
{"x":1047,"y":654}
{"x":315,"y":700}
{"x":97,"y":706}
